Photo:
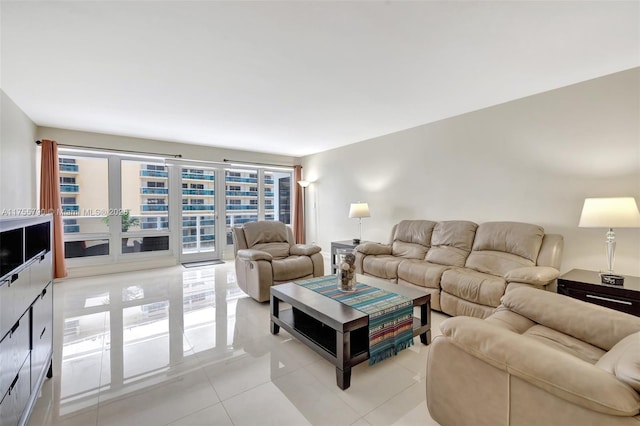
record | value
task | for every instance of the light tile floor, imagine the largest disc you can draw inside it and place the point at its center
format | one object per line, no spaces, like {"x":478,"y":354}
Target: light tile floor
{"x":179,"y":346}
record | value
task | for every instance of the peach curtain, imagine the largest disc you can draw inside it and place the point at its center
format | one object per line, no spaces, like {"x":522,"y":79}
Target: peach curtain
{"x":50,"y":202}
{"x":298,"y":206}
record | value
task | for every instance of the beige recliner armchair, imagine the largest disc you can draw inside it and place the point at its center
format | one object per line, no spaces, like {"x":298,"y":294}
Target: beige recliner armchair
{"x":266,"y":254}
{"x":540,"y":359}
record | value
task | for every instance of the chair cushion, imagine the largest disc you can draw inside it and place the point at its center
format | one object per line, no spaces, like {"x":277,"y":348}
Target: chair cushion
{"x":565,"y":343}
{"x":265,"y":232}
{"x":623,"y":361}
{"x":473,"y":286}
{"x":292,"y":268}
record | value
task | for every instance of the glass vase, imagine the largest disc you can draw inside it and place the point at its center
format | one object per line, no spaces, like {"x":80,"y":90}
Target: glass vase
{"x":346,"y":269}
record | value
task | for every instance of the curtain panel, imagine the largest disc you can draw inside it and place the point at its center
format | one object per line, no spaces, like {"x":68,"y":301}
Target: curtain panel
{"x":298,"y":207}
{"x":50,"y":202}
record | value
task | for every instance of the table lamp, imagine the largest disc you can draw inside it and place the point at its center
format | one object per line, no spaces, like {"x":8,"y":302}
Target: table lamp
{"x":359,"y":210}
{"x":614,"y":212}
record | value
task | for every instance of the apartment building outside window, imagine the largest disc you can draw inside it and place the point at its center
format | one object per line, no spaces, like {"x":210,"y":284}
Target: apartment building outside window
{"x":142,"y":204}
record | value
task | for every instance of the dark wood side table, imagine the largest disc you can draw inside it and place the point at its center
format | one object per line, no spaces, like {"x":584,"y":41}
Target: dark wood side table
{"x":335,"y":245}
{"x":586,"y":285}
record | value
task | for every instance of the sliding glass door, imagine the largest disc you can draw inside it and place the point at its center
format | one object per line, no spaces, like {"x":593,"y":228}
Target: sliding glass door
{"x":199,"y":214}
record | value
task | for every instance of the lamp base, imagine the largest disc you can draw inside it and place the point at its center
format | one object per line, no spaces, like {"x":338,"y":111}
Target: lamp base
{"x":612,"y":279}
{"x":356,"y":241}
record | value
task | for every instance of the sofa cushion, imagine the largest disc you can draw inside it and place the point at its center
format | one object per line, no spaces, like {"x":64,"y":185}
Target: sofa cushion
{"x":451,"y":242}
{"x":500,"y":247}
{"x":473,"y":286}
{"x":565,"y":343}
{"x":597,"y":325}
{"x":292,"y":268}
{"x":623,"y":361}
{"x":421,"y":273}
{"x":412,"y":238}
{"x":382,"y":266}
{"x":521,"y":239}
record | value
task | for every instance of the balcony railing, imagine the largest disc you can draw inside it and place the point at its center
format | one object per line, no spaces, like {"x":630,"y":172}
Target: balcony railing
{"x":210,"y":192}
{"x":154,"y":173}
{"x":240,"y":179}
{"x":70,"y":208}
{"x":241,"y":207}
{"x":197,"y":176}
{"x":154,"y":208}
{"x":154,"y":225}
{"x":154,"y":191}
{"x":191,"y":207}
{"x":68,"y":229}
{"x":241,"y":193}
{"x":69,"y":188}
{"x":68,"y":167}
{"x":268,"y":181}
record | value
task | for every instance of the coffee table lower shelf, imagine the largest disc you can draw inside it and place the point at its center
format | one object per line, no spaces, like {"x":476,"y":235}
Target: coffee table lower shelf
{"x":336,"y":332}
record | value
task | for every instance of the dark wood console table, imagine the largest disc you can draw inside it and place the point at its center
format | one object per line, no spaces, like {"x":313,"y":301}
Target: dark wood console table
{"x":586,"y":285}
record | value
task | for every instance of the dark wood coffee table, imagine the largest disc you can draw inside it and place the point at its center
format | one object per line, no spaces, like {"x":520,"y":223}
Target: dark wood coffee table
{"x":336,"y":331}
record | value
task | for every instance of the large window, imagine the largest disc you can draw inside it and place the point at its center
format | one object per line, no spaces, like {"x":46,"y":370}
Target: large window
{"x":84,"y":194}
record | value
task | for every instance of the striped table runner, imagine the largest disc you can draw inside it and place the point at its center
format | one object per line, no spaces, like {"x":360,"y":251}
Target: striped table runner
{"x":390,"y":315}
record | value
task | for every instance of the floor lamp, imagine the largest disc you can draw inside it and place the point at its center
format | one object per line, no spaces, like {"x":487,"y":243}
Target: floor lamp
{"x":304,"y":184}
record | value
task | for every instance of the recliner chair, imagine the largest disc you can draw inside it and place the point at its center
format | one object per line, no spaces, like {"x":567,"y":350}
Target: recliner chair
{"x":266,"y":254}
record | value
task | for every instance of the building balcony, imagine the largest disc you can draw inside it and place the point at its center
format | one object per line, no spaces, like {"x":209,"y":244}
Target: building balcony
{"x":154,"y":191}
{"x":240,"y":179}
{"x":154,"y":208}
{"x":242,"y":207}
{"x":197,"y":176}
{"x":70,"y":208}
{"x":67,"y":188}
{"x":68,"y":229}
{"x":241,"y":194}
{"x":209,"y":192}
{"x":154,"y":173}
{"x":268,"y":181}
{"x":197,"y":207}
{"x":64,"y":167}
{"x":154,"y":225}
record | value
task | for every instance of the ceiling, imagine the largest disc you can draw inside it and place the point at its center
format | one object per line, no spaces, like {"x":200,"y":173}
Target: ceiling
{"x":296,"y":77}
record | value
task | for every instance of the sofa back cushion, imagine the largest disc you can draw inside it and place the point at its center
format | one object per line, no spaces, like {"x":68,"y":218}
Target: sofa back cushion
{"x":500,"y":247}
{"x":269,"y":236}
{"x":451,"y":242}
{"x":412,"y":239}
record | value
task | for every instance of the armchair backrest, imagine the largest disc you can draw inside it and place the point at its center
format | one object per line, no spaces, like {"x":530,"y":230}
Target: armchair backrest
{"x":274,"y":237}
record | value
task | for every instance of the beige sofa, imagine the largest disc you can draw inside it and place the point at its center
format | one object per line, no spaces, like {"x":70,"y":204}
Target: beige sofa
{"x":540,"y":359}
{"x":466,"y":267}
{"x":266,"y":254}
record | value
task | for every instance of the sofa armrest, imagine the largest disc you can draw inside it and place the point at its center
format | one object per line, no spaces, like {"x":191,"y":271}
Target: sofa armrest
{"x":374,"y":248}
{"x":252,"y":254}
{"x":535,"y":275}
{"x":304,"y":249}
{"x":556,"y":372}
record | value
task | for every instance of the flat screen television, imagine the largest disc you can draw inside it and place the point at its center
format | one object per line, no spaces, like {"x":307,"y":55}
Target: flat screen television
{"x":11,"y":250}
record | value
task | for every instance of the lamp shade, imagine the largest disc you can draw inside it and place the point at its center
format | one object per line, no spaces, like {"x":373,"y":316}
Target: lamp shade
{"x":614,"y":212}
{"x":304,"y":183}
{"x":359,"y":210}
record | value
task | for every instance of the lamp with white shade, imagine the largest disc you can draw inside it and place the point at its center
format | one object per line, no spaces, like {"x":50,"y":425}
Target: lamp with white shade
{"x":359,"y":210}
{"x":611,"y":212}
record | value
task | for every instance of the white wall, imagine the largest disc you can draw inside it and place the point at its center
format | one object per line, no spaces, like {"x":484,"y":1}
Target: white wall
{"x":18,"y":187}
{"x":531,"y":160}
